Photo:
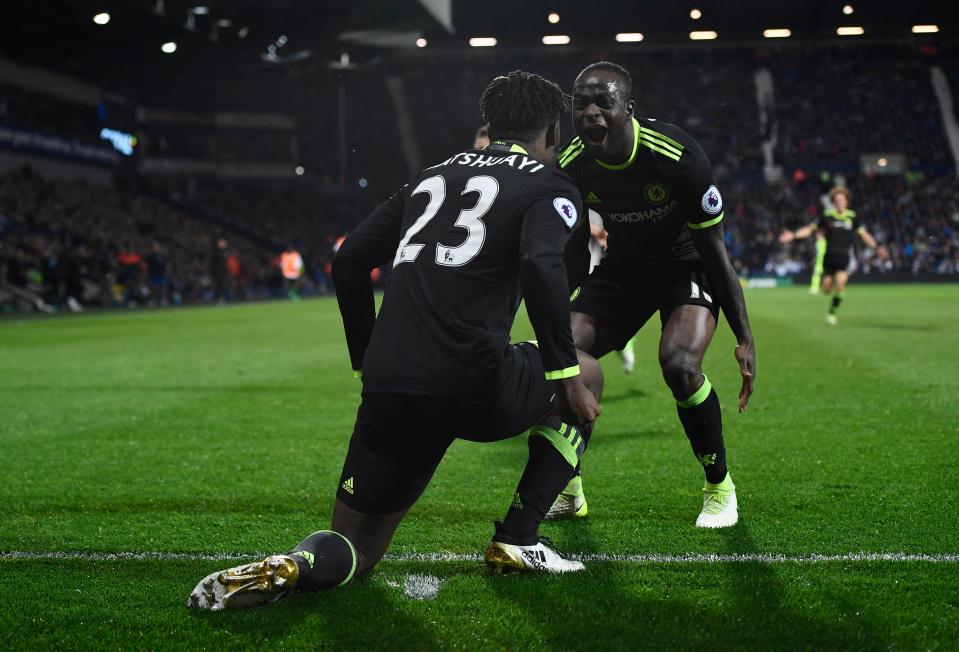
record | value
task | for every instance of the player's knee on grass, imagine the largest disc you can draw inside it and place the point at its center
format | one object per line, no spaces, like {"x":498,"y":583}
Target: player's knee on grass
{"x":681,"y":371}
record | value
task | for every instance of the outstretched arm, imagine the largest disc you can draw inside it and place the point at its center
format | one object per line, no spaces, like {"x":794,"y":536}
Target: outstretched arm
{"x":798,"y":234}
{"x":725,"y":284}
{"x":871,"y":243}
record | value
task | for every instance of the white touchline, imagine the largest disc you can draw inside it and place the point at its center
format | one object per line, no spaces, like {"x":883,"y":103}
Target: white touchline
{"x":647,"y":558}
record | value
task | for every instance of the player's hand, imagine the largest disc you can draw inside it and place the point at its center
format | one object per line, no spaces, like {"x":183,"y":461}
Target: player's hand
{"x":746,"y":357}
{"x":577,"y":405}
{"x":603,"y":239}
{"x":786,"y":237}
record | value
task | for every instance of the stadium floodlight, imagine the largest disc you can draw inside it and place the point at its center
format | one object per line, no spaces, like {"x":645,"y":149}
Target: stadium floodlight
{"x":556,"y":39}
{"x":695,"y":14}
{"x":847,"y":10}
{"x":243,"y":32}
{"x":850,"y":31}
{"x":224,"y":22}
{"x":704,"y":35}
{"x":925,"y":29}
{"x":169,"y":47}
{"x":421,"y":42}
{"x":629,"y":37}
{"x":200,"y":10}
{"x":482,"y":42}
{"x":103,"y":18}
{"x":777,"y":33}
{"x":299,"y":170}
{"x":553,"y":18}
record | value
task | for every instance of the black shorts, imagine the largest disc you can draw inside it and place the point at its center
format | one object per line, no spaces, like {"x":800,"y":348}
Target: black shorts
{"x":399,"y":439}
{"x":835,"y":263}
{"x":622,"y":299}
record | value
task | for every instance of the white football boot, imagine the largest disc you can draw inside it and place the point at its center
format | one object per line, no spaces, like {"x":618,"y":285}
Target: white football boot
{"x":720,"y":508}
{"x":541,"y":557}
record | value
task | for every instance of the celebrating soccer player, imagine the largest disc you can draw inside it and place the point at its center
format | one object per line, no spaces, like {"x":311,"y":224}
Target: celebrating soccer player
{"x":467,"y":238}
{"x":653,"y":186}
{"x":838,"y":225}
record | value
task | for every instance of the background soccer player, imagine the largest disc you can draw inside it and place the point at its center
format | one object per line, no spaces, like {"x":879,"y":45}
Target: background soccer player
{"x":653,"y":186}
{"x":468,"y":237}
{"x":838,"y":226}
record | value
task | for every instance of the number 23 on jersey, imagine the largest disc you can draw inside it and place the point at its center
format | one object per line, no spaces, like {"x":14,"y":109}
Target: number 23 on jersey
{"x":470,"y":219}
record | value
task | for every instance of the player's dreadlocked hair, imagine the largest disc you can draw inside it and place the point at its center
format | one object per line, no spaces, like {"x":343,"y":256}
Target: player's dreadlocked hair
{"x":614,"y":68}
{"x":520,"y":105}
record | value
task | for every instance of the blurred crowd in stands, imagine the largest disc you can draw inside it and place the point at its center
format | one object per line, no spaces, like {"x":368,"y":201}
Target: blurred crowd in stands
{"x":66,"y":245}
{"x":916,"y":218}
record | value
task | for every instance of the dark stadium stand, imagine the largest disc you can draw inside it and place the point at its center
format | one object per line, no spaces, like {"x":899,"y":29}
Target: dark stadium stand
{"x":64,"y":241}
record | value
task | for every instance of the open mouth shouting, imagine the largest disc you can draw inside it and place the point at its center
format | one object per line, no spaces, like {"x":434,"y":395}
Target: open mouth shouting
{"x":596,"y":134}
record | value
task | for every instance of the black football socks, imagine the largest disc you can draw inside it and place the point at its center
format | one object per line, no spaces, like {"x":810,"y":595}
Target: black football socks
{"x":325,"y":559}
{"x":554,"y":452}
{"x":703,"y":422}
{"x":836,"y":302}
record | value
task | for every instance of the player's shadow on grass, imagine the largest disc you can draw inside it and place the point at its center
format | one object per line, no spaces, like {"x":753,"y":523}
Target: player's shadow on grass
{"x":667,"y":606}
{"x":619,"y":433}
{"x":762,"y":600}
{"x":359,"y":616}
{"x":628,"y":395}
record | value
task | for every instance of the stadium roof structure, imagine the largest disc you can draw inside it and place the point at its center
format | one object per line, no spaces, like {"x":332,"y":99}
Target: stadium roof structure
{"x":151,"y":47}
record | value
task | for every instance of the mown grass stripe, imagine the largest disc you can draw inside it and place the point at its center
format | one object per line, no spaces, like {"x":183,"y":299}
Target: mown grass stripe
{"x":639,"y":558}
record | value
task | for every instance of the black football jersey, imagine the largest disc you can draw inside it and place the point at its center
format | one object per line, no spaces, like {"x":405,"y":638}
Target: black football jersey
{"x":467,"y":240}
{"x":650,"y":202}
{"x":840,"y":230}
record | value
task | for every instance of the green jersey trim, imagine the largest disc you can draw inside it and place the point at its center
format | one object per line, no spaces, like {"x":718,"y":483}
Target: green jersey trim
{"x":514,"y":148}
{"x":632,"y":155}
{"x":845,"y":216}
{"x":660,"y":143}
{"x":707,"y":223}
{"x":560,"y":374}
{"x":574,"y":149}
{"x":675,"y":144}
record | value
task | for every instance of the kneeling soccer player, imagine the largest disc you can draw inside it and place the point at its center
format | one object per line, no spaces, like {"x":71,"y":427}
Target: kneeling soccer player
{"x":468,"y":237}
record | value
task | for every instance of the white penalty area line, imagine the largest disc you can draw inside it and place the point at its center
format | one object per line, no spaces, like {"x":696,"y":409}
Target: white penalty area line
{"x":651,"y":558}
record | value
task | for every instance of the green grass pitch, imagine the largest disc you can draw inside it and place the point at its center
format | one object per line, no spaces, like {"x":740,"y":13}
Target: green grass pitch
{"x":216,"y":431}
